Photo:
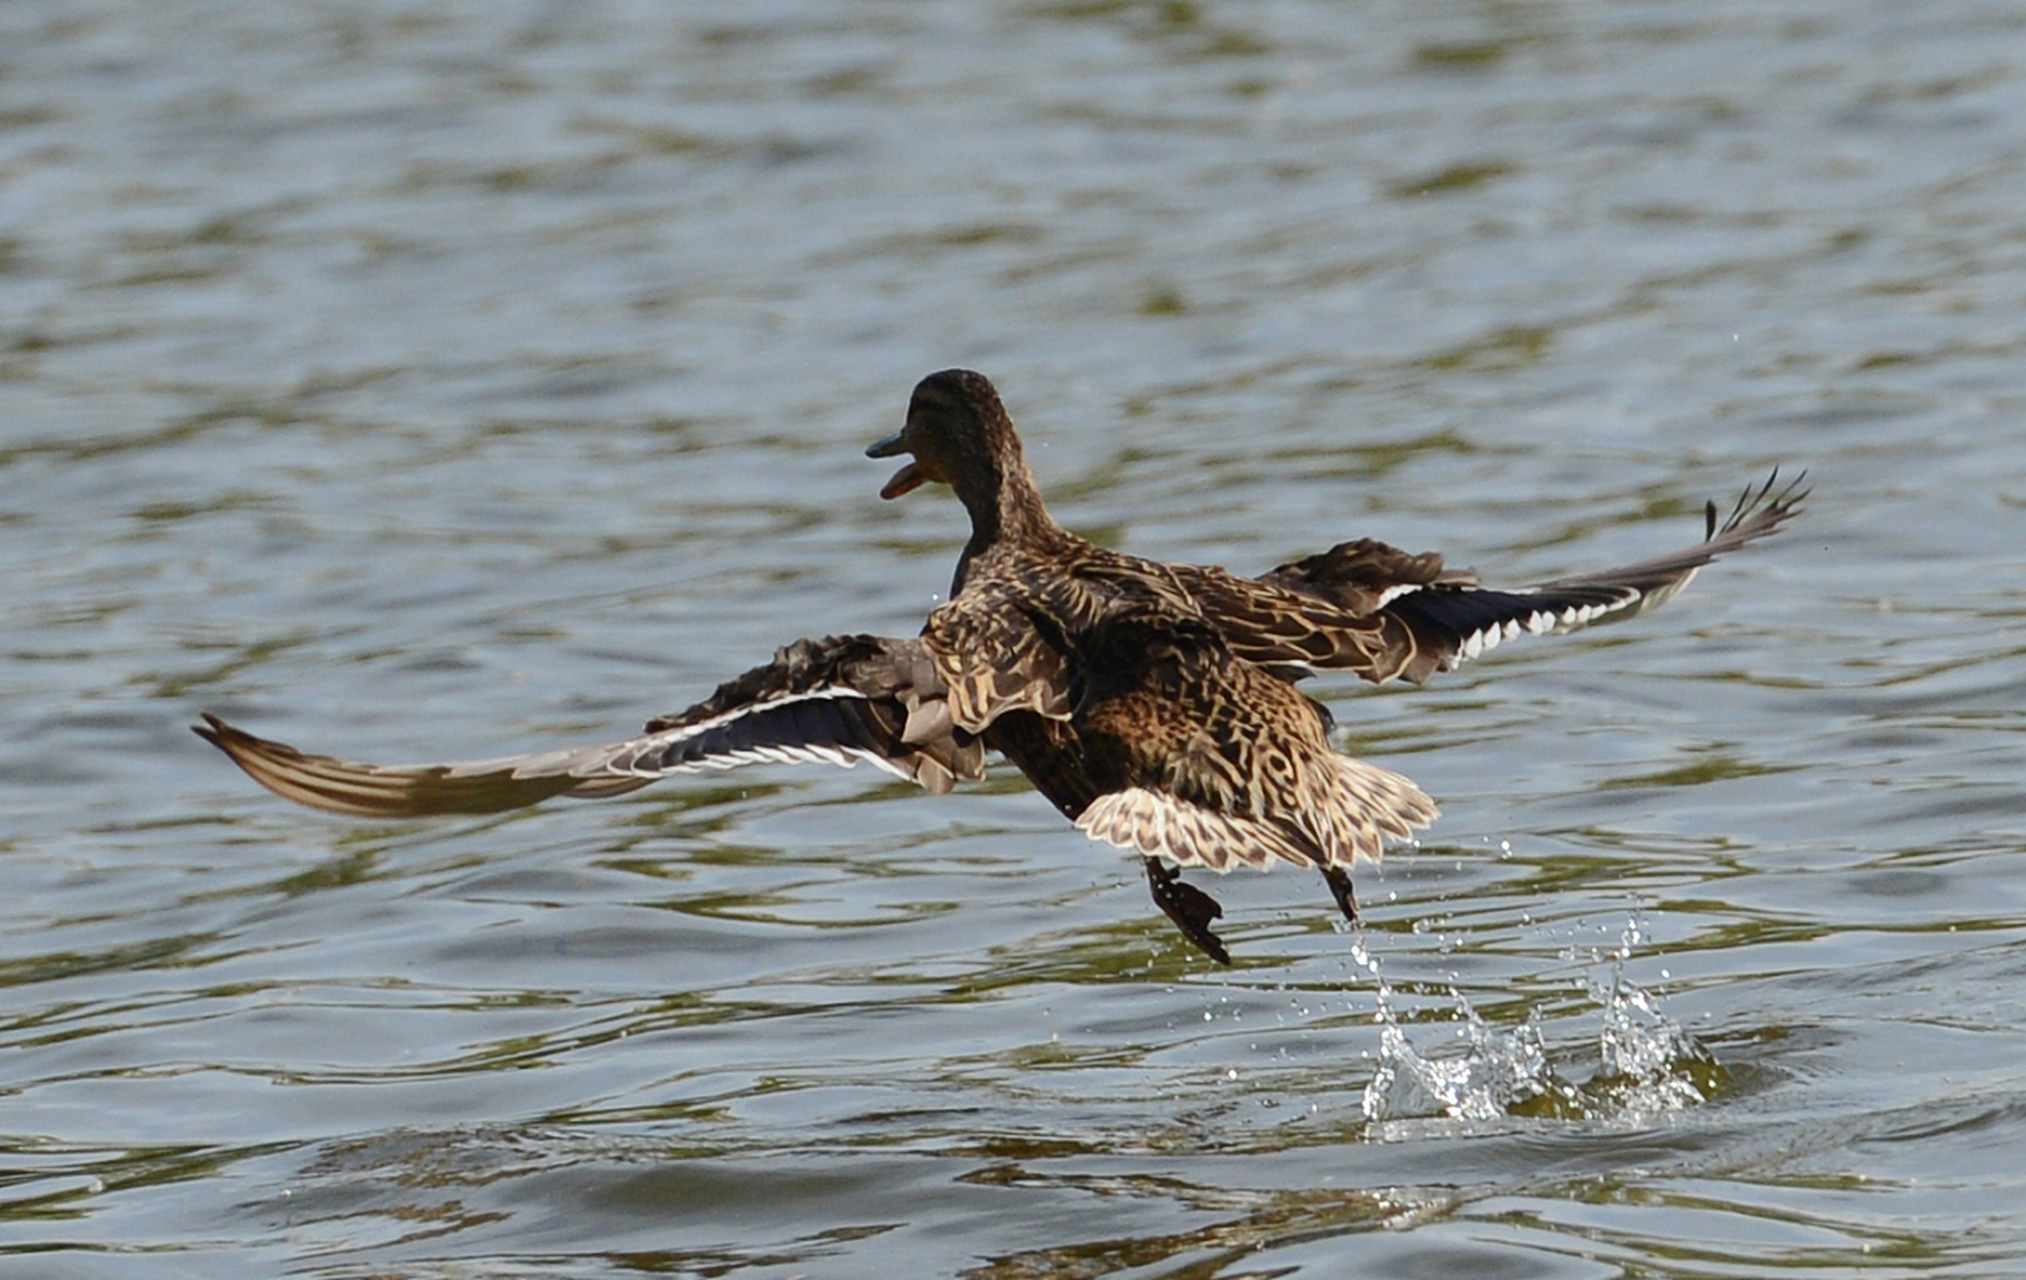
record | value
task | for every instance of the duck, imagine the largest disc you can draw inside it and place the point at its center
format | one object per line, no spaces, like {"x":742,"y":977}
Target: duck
{"x":1154,"y":704}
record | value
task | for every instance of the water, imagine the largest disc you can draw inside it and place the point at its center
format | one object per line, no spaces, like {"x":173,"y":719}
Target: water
{"x":412,"y":380}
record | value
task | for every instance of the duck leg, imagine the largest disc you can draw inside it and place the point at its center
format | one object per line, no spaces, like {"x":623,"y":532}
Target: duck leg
{"x":1339,"y":881}
{"x":1190,"y":908}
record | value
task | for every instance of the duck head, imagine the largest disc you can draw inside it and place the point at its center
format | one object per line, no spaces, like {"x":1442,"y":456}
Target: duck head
{"x":958,"y":433}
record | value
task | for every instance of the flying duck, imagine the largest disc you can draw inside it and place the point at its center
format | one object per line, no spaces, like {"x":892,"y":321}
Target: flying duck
{"x":1154,"y":704}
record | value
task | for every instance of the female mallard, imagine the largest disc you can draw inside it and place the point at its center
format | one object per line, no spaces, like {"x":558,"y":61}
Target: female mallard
{"x":1154,"y":704}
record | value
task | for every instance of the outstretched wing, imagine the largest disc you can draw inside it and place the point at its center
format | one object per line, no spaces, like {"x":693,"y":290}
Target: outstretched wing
{"x":1385,"y":614}
{"x":838,"y":700}
{"x":1452,"y":625}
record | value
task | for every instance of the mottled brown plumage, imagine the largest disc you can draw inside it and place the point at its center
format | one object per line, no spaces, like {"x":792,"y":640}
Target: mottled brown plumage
{"x":1153,"y":704}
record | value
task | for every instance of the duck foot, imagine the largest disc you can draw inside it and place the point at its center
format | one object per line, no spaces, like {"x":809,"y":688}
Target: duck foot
{"x":1339,"y":881}
{"x":1190,"y":908}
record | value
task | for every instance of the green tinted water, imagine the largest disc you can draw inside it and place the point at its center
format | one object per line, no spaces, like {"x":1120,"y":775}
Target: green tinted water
{"x":420,"y":381}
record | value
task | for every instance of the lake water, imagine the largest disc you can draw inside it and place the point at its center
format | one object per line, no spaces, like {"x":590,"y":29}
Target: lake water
{"x":411,"y":380}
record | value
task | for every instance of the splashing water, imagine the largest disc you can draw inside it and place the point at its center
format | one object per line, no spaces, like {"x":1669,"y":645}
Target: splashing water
{"x":1642,"y":1055}
{"x":1496,"y":1072}
{"x":1643,"y":1052}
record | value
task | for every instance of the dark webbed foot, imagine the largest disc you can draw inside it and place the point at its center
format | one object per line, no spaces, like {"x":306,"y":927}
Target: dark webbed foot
{"x":1339,"y":881}
{"x":1190,"y":908}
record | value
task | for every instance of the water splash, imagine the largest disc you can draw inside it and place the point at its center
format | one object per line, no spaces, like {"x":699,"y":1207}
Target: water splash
{"x":1647,"y":1066}
{"x":1647,"y":1060}
{"x":1497,"y":1072}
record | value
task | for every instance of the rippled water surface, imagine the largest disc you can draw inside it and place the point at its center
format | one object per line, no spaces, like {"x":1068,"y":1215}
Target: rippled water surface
{"x":418,"y":380}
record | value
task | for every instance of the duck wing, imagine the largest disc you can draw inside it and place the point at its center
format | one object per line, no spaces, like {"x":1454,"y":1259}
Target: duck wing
{"x":998,"y":648}
{"x":839,"y":700}
{"x":1453,"y":624}
{"x":1386,"y":614}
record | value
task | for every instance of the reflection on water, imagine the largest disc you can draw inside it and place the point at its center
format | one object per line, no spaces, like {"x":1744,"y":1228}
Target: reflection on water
{"x":413,"y":381}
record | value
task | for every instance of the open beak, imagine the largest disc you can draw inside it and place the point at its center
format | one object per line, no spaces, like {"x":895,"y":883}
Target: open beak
{"x":908,"y":477}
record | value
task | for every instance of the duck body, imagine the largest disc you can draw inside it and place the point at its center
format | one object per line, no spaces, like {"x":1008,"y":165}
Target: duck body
{"x":1153,"y":704}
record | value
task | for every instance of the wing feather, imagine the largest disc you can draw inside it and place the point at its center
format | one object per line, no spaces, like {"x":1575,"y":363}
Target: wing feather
{"x":839,"y":700}
{"x":1386,"y":614}
{"x":996,"y":653}
{"x":1450,"y":626}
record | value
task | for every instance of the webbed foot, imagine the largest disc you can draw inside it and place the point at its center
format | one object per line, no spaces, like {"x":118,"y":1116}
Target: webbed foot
{"x":1190,"y":908}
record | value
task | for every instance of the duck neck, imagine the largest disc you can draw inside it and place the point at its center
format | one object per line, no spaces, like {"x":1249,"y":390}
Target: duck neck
{"x":1010,"y":510}
{"x":1006,"y":509}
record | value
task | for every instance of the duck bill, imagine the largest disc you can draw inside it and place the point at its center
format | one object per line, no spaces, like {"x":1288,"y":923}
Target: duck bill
{"x":907,"y":479}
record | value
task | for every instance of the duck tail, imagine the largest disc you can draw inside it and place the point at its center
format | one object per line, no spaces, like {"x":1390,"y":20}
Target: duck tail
{"x":1362,"y":807}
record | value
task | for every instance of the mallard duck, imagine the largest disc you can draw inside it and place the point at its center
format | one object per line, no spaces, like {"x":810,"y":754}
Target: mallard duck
{"x":1153,"y":704}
